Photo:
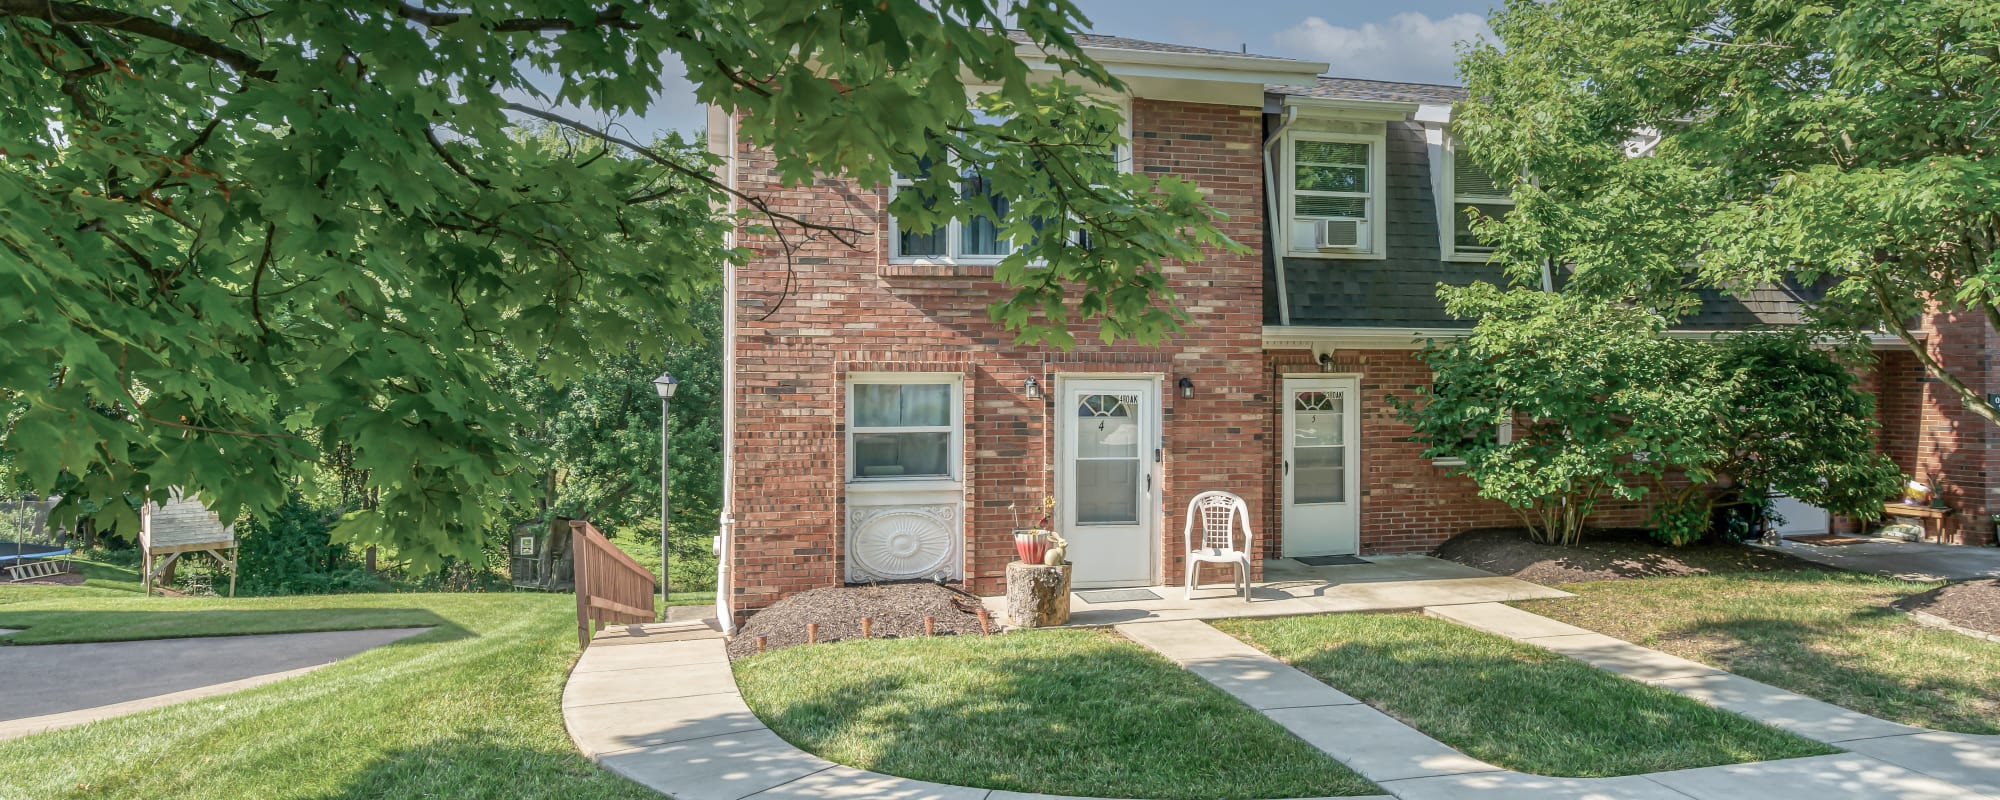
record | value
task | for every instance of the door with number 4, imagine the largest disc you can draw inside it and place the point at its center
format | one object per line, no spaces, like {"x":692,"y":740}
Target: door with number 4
{"x":1108,"y":436}
{"x":1321,"y":494}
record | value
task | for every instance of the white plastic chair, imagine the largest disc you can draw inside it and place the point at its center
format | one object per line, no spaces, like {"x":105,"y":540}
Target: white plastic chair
{"x":1219,"y":512}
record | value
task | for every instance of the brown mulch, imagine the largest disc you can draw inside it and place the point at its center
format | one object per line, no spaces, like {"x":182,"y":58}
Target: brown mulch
{"x":1605,"y":555}
{"x":1967,"y":604}
{"x":898,"y":610}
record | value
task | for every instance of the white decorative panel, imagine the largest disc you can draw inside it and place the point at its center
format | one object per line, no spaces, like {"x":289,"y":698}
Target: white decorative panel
{"x":903,"y":542}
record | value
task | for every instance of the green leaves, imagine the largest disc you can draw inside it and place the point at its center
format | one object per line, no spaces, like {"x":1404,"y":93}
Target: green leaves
{"x":1599,"y":403}
{"x":1850,"y":147}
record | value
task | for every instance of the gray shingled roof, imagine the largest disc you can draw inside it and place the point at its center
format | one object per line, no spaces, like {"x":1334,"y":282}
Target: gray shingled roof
{"x":1359,"y":89}
{"x":1122,"y":43}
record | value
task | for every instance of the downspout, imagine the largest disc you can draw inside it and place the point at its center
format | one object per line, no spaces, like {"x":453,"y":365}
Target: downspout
{"x":725,"y":539}
{"x":1271,"y":214}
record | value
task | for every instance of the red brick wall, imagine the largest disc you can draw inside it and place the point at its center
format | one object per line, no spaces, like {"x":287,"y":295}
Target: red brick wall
{"x":1927,"y":430}
{"x":839,"y":309}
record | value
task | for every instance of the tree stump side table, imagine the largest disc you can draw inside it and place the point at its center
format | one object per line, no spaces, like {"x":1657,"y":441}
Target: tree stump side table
{"x":1037,"y":596}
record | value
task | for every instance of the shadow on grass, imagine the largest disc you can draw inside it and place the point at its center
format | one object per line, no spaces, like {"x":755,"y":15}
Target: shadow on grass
{"x":484,"y":765}
{"x":74,"y":627}
{"x":1871,"y":659}
{"x":1060,"y":712}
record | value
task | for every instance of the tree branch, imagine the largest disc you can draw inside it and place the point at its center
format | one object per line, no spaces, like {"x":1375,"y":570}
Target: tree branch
{"x":67,"y":14}
{"x":611,"y":17}
{"x":845,"y":235}
{"x":1973,"y":401}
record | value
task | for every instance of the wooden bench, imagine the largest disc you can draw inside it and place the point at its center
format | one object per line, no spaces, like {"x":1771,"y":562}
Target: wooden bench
{"x":1930,"y":518}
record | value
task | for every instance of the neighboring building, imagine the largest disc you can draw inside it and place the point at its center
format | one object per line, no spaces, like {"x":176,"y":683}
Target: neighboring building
{"x":881,"y":427}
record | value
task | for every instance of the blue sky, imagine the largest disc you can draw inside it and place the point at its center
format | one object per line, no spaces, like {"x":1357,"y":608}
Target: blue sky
{"x":1403,"y":41}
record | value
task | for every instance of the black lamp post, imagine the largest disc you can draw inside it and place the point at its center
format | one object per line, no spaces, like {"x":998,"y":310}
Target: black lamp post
{"x":665,"y":385}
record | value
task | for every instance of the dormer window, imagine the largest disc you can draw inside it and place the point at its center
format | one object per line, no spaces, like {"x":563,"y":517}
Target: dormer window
{"x":1336,"y":194}
{"x":1474,"y":194}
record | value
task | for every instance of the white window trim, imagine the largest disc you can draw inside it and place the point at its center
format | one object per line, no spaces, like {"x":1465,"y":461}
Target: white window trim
{"x":954,"y":229}
{"x":1378,"y":174}
{"x":1505,"y":433}
{"x":1448,"y":201}
{"x":956,"y":462}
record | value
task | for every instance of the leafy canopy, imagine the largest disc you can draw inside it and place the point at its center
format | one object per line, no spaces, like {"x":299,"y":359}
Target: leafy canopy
{"x":238,"y":234}
{"x":1600,"y":405}
{"x":1850,"y":144}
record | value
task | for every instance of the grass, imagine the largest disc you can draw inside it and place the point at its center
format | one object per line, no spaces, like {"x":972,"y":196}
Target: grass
{"x":471,"y":709}
{"x":1511,"y":704}
{"x":1831,"y":636}
{"x":1062,"y":712}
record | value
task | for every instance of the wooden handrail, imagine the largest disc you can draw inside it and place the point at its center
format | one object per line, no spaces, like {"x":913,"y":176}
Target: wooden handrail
{"x":611,"y":588}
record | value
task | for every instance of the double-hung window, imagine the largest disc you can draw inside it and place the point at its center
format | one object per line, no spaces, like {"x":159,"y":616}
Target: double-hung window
{"x":1336,"y":194}
{"x":977,"y":240}
{"x":903,"y":426}
{"x":1473,"y":193}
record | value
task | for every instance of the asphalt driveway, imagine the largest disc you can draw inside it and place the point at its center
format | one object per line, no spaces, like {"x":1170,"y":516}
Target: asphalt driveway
{"x":1915,"y":561}
{"x":37,"y":680}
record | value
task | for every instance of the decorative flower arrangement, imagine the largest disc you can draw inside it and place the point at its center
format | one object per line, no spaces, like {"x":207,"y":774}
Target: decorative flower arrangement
{"x":1032,"y":544}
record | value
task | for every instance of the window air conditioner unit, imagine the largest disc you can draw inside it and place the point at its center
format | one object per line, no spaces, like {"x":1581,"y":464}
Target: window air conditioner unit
{"x":1340,"y":234}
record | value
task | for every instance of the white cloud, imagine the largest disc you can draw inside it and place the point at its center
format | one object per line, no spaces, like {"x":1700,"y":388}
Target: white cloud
{"x":1408,"y":47}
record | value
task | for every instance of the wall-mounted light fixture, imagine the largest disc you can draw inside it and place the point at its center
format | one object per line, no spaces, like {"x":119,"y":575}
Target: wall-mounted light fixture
{"x":1326,"y":362}
{"x":1187,"y":388}
{"x":1032,"y":388}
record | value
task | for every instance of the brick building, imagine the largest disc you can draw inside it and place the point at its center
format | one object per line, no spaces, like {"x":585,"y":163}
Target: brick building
{"x":881,"y":427}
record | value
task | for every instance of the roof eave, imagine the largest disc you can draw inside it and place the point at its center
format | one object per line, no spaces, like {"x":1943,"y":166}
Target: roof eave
{"x":1207,"y":66}
{"x":1352,"y":106}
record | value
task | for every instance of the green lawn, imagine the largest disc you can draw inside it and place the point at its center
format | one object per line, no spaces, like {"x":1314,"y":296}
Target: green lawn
{"x":1063,"y":712}
{"x":470,"y":710}
{"x":1827,"y":635}
{"x":1512,"y":704}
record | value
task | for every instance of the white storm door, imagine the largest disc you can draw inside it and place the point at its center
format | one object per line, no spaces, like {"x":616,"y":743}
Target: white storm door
{"x":1322,"y":436}
{"x":1107,"y":433}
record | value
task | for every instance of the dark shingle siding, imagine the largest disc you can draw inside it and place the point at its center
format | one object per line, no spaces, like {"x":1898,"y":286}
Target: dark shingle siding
{"x":1397,"y":291}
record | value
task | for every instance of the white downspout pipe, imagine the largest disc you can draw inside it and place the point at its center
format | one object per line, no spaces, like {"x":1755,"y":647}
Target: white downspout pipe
{"x":1272,"y":217}
{"x":722,"y":136}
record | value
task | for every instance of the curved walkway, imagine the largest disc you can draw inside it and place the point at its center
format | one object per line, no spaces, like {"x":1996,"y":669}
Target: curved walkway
{"x":658,"y":704}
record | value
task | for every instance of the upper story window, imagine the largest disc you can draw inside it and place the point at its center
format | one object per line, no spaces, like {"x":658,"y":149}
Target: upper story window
{"x":903,"y":426}
{"x":1473,"y":193}
{"x":1335,"y":195}
{"x":977,"y":240}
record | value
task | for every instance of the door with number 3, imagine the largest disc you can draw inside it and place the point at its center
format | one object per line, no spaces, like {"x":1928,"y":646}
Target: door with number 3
{"x":1321,"y":470}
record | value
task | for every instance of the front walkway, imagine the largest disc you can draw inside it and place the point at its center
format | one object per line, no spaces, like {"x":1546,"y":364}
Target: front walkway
{"x":1385,"y":583}
{"x":1916,"y":561}
{"x":659,"y":705}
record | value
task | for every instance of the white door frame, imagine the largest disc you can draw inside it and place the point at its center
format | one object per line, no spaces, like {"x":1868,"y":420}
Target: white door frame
{"x":1150,"y":453}
{"x":1350,"y":509}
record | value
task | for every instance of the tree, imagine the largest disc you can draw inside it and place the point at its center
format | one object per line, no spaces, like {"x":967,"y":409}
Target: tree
{"x":1599,"y":404}
{"x":1851,"y":145}
{"x":234,"y":231}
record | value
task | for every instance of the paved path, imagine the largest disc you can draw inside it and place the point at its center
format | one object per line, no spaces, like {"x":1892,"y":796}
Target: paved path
{"x":659,"y":705}
{"x":1411,"y":765}
{"x":43,"y":687}
{"x":1917,"y":561}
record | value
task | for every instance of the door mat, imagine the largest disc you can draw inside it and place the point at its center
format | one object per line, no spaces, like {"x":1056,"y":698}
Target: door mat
{"x":1331,"y":561}
{"x":1825,"y":539}
{"x":1116,"y":595}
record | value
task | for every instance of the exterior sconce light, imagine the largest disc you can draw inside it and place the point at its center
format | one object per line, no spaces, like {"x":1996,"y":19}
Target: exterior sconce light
{"x":1326,"y":362}
{"x":1032,"y":388}
{"x":1187,"y":388}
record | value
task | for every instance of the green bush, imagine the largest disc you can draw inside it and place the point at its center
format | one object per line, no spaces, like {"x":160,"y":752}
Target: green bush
{"x":290,"y":551}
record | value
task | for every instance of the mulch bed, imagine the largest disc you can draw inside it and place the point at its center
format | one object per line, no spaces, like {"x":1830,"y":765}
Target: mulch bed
{"x":1828,"y":539}
{"x":898,"y":610}
{"x":1967,"y":604}
{"x":1605,"y":555}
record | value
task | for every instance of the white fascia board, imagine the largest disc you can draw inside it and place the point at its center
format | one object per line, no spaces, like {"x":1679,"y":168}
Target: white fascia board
{"x":1301,"y":337}
{"x":1259,"y":70}
{"x":1348,"y":108}
{"x":1433,"y":114}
